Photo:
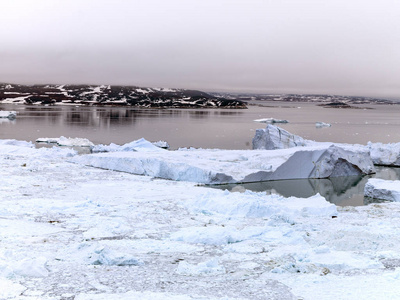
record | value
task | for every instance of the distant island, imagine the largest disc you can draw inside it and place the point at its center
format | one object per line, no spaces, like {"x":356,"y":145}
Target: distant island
{"x":328,"y":100}
{"x":113,"y":95}
{"x":116,"y":95}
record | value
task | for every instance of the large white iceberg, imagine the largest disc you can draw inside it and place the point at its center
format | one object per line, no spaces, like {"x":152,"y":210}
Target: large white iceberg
{"x":273,"y":137}
{"x":235,"y":166}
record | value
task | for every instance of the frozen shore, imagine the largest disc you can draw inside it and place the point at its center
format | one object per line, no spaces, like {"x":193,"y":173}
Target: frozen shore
{"x":69,"y":231}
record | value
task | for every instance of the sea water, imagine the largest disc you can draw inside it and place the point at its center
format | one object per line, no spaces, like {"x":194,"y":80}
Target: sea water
{"x":202,"y":128}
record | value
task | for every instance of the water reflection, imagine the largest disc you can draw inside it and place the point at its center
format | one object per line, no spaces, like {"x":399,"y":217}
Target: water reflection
{"x":199,"y":114}
{"x":120,"y":125}
{"x":7,"y":121}
{"x":341,"y":191}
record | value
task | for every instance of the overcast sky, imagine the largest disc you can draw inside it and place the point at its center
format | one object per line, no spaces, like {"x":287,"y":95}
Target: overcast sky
{"x":306,"y":46}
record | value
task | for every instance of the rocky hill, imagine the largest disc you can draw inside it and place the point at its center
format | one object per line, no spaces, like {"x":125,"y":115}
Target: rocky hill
{"x":113,"y":95}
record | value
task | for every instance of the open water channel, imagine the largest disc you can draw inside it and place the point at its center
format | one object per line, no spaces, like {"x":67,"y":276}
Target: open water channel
{"x":220,"y":128}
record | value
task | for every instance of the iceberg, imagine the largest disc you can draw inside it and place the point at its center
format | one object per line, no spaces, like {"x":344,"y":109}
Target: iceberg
{"x":271,"y":121}
{"x":67,"y":142}
{"x":383,"y":189}
{"x":234,"y":166}
{"x":161,"y":144}
{"x":385,"y":154}
{"x":138,"y":145}
{"x":322,"y":124}
{"x":273,"y":137}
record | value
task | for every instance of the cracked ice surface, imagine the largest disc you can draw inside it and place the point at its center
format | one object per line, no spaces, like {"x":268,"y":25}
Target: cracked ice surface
{"x":72,"y":232}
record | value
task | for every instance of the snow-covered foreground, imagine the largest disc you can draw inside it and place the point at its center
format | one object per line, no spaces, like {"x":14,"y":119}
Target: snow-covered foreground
{"x":68,"y":231}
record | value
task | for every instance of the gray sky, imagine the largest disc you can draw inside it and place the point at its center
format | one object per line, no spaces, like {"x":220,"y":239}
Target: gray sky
{"x":306,"y":46}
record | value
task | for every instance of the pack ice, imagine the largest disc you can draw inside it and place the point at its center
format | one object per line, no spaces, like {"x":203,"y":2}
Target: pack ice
{"x":233,"y":166}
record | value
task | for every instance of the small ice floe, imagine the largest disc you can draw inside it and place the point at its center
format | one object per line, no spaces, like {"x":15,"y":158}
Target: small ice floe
{"x":8,"y":114}
{"x":322,"y":124}
{"x":388,"y":190}
{"x":161,"y":144}
{"x":271,"y":121}
{"x":140,"y":145}
{"x":385,"y":154}
{"x":68,"y":142}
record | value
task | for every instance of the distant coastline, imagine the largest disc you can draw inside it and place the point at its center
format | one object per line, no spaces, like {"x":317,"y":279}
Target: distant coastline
{"x":111,"y":95}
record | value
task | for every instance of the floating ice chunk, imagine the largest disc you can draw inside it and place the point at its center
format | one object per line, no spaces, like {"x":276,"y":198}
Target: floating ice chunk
{"x":273,"y":137}
{"x":323,"y":163}
{"x":141,"y":145}
{"x":161,"y":144}
{"x":385,"y":154}
{"x":208,"y":267}
{"x":47,"y":140}
{"x":383,"y":189}
{"x":271,"y":121}
{"x":8,"y":114}
{"x":17,"y":143}
{"x":68,"y":142}
{"x":322,"y":125}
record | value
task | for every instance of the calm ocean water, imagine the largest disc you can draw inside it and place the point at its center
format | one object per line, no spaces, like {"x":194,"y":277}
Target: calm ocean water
{"x":220,"y":128}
